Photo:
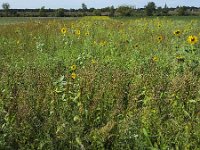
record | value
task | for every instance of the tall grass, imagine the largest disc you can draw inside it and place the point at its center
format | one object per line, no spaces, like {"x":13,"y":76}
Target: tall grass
{"x":101,"y":84}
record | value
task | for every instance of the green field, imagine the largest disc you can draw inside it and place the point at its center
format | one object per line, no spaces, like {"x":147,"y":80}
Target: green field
{"x":100,"y":83}
{"x":14,"y":20}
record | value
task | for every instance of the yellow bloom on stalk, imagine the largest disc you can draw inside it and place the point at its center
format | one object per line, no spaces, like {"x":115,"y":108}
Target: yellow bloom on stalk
{"x":192,"y":39}
{"x":73,"y":76}
{"x":78,"y":32}
{"x":63,"y":30}
{"x":103,"y":43}
{"x":160,"y":38}
{"x":87,"y":33}
{"x":177,"y":32}
{"x":73,"y":67}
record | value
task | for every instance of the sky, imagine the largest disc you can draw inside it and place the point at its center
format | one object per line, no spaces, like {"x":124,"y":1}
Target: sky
{"x":67,"y":4}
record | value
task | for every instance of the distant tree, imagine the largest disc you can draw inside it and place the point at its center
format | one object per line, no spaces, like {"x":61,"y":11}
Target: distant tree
{"x":112,"y":11}
{"x":97,"y":12}
{"x":124,"y":10}
{"x":60,"y":12}
{"x":150,"y":8}
{"x":182,"y":10}
{"x":165,"y":10}
{"x":91,"y":10}
{"x":6,"y":7}
{"x":84,"y":7}
{"x":42,"y":12}
{"x":159,"y":11}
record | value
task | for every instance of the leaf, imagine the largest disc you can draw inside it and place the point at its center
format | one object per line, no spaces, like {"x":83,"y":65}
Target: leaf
{"x":58,"y":91}
{"x":77,"y":96}
{"x":145,"y":132}
{"x":192,"y":101}
{"x":61,"y":79}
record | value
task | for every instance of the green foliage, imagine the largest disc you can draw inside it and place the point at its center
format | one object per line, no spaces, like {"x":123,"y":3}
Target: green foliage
{"x":42,"y":12}
{"x":79,"y":84}
{"x":124,"y":10}
{"x":60,"y":12}
{"x":84,"y":6}
{"x":181,"y":11}
{"x":6,"y":7}
{"x":97,"y":12}
{"x":150,"y":8}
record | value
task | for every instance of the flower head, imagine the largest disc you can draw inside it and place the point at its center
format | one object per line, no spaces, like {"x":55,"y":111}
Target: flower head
{"x":159,"y":25}
{"x":63,"y":30}
{"x":160,"y":38}
{"x":177,"y":32}
{"x":73,"y":76}
{"x":192,"y":39}
{"x":78,"y":32}
{"x":73,"y":67}
{"x":87,"y":33}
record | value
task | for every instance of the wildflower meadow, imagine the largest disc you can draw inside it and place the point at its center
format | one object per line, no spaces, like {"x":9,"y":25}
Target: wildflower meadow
{"x":100,"y":83}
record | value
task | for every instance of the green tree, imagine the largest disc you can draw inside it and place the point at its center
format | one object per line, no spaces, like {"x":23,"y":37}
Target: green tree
{"x":84,"y":7}
{"x":150,"y":8}
{"x":6,"y":7}
{"x":165,"y":10}
{"x":42,"y":12}
{"x":124,"y":10}
{"x":97,"y":12}
{"x":112,"y":11}
{"x":60,"y":12}
{"x":182,"y":11}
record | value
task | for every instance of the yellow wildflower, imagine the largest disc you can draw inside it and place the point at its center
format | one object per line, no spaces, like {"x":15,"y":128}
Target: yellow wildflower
{"x":73,"y":76}
{"x":63,"y":30}
{"x":192,"y":39}
{"x":73,"y":67}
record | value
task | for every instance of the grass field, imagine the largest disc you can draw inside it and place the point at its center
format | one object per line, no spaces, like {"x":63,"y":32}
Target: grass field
{"x":100,"y":83}
{"x":14,"y":20}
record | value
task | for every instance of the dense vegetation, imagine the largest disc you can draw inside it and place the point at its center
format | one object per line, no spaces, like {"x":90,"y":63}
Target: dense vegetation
{"x":100,"y":83}
{"x":125,"y":10}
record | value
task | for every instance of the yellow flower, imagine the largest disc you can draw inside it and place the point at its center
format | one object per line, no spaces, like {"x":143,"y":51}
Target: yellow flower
{"x":73,"y":76}
{"x":192,"y":39}
{"x":155,"y":58}
{"x":177,"y":32}
{"x":63,"y":30}
{"x":159,"y":25}
{"x":87,"y":33}
{"x":73,"y":67}
{"x":103,"y":43}
{"x":78,"y":32}
{"x":160,"y":38}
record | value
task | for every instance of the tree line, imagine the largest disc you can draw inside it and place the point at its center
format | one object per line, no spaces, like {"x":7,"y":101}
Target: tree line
{"x":125,"y":10}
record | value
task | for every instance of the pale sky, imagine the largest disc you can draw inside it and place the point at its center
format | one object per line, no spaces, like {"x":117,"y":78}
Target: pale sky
{"x":95,"y":3}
